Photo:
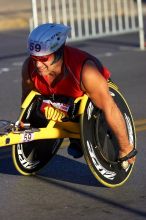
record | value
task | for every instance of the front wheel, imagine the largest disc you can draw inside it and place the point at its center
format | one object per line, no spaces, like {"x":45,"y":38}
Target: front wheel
{"x":100,"y":145}
{"x":30,"y":157}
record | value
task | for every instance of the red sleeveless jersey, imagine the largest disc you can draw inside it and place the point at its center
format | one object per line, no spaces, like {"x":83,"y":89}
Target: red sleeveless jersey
{"x":74,"y":60}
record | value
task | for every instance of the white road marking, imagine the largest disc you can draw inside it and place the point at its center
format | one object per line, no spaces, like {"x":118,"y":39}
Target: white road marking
{"x":16,"y":81}
{"x":17,"y":64}
{"x":4,"y":69}
{"x":108,"y":54}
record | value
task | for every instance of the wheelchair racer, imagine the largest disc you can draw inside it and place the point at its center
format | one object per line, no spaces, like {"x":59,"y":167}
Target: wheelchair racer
{"x":53,"y":68}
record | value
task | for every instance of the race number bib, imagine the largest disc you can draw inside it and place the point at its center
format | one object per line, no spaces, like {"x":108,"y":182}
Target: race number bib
{"x":26,"y":137}
{"x":54,"y":110}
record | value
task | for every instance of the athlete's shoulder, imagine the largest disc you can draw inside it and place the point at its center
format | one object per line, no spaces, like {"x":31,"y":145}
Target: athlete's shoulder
{"x":70,"y":49}
{"x":26,"y":63}
{"x":25,"y":68}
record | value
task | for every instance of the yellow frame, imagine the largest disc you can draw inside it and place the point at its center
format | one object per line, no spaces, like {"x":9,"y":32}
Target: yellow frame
{"x":52,"y":130}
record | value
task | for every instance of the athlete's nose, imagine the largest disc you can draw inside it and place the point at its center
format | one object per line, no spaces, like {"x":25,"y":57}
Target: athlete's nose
{"x":38,"y":63}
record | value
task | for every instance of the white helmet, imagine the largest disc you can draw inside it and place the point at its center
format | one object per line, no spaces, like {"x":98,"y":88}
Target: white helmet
{"x":47,"y":38}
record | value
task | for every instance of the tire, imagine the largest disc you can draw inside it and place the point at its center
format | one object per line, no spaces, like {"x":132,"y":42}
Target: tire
{"x":100,"y":145}
{"x":30,"y":157}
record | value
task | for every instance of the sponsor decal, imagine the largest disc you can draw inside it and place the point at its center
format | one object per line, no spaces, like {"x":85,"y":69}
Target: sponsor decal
{"x":61,"y":106}
{"x":106,"y":173}
{"x":129,"y":127}
{"x":90,"y":110}
{"x":23,"y":160}
{"x":29,"y":111}
{"x":54,"y":114}
{"x":54,"y":110}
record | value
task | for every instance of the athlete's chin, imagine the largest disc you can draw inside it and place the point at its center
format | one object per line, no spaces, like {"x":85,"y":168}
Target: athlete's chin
{"x":41,"y":73}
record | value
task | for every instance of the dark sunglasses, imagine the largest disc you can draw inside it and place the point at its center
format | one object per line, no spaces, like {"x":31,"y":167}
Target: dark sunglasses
{"x":41,"y":58}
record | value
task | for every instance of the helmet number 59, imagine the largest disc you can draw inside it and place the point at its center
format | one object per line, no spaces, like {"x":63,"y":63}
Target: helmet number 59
{"x":36,"y":47}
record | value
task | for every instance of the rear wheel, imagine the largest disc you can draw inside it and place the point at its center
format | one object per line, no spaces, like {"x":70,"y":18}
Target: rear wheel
{"x":100,"y":145}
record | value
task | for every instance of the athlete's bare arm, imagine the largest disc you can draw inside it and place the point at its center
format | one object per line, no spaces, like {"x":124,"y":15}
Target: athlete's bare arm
{"x":27,"y":84}
{"x":94,"y":84}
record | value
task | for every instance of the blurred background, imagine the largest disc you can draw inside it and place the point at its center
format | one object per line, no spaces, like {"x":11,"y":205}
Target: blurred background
{"x":87,"y":18}
{"x":113,"y":31}
{"x":15,"y":14}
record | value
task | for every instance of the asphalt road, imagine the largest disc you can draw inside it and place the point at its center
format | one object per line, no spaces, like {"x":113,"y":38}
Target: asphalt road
{"x":65,"y":188}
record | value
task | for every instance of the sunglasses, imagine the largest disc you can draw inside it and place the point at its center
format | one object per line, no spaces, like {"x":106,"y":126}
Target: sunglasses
{"x":41,"y":58}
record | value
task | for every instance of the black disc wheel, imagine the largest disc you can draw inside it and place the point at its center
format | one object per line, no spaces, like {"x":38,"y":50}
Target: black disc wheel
{"x":30,"y":157}
{"x":100,"y":145}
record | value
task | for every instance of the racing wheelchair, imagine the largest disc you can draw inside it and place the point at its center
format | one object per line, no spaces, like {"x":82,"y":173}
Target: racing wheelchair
{"x":36,"y":138}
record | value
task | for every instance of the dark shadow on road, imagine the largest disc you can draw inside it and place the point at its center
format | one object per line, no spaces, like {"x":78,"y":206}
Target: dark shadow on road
{"x":59,"y":168}
{"x":68,"y":170}
{"x":115,"y":204}
{"x":6,"y":163}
